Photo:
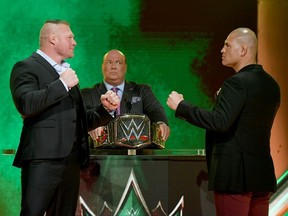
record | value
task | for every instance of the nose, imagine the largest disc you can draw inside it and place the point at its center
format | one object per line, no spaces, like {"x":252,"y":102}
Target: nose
{"x":74,"y":42}
{"x":113,"y":64}
{"x":222,"y":50}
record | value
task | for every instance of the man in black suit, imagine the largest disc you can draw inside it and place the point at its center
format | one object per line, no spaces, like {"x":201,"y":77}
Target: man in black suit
{"x":54,"y":140}
{"x":135,"y":98}
{"x":241,"y":170}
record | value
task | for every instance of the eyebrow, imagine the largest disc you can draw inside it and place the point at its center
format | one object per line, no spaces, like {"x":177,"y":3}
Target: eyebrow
{"x":226,"y":43}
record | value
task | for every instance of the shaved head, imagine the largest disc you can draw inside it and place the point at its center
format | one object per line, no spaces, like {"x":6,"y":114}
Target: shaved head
{"x":114,"y":67}
{"x":240,"y":49}
{"x":245,"y":36}
{"x":114,"y":51}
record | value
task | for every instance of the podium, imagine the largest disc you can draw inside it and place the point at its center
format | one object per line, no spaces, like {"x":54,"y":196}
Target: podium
{"x":132,"y":174}
{"x":152,"y":182}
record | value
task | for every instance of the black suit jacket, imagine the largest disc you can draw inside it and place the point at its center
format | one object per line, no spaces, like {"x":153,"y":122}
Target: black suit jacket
{"x":136,"y":99}
{"x":238,"y":131}
{"x":52,"y":117}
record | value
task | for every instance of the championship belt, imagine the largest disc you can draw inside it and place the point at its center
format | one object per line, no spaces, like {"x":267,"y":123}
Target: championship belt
{"x":132,"y":132}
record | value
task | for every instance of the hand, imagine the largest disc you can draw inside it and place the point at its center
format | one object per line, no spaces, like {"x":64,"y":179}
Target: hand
{"x":110,"y":100}
{"x":165,"y":130}
{"x":69,"y":77}
{"x":96,"y":133}
{"x":174,"y":99}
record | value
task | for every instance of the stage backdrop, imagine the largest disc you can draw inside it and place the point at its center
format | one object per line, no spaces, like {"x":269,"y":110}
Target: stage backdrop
{"x":169,"y":44}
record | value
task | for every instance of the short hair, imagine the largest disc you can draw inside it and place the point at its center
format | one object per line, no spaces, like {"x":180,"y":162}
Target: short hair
{"x":46,"y":29}
{"x":57,"y":21}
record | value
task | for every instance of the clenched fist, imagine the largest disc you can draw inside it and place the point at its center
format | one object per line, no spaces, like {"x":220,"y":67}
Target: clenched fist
{"x":69,"y":77}
{"x":110,"y":100}
{"x":174,"y":99}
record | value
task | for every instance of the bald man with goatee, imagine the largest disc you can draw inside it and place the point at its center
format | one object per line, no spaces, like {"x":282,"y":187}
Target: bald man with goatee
{"x":240,"y":167}
{"x":53,"y":145}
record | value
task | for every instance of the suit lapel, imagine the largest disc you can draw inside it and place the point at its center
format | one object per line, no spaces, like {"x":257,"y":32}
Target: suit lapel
{"x":126,"y":104}
{"x":75,"y":94}
{"x":46,"y":64}
{"x":102,"y":88}
{"x":128,"y":91}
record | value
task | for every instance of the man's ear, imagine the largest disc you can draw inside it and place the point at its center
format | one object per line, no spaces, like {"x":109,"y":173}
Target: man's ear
{"x":244,"y":50}
{"x":52,"y":38}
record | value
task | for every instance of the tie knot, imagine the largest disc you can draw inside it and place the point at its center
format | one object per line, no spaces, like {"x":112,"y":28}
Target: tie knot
{"x":115,"y":89}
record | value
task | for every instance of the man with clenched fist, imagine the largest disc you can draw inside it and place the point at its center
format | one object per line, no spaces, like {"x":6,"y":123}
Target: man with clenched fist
{"x":53,"y":145}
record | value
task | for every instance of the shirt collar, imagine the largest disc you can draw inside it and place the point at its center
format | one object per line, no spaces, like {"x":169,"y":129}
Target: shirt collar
{"x":59,"y":68}
{"x":120,"y":87}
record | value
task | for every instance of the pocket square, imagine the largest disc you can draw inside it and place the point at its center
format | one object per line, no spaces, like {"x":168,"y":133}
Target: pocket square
{"x":135,"y":99}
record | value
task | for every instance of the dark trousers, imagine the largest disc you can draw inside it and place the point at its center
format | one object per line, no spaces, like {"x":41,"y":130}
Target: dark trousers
{"x":244,"y":204}
{"x":50,"y":186}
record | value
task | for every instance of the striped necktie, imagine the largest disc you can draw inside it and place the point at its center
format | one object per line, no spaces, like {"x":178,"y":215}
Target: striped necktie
{"x":115,"y":89}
